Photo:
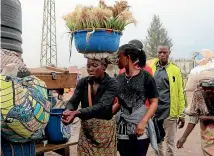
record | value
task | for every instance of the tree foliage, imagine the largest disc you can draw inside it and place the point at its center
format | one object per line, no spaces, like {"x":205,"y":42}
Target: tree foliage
{"x":157,"y":35}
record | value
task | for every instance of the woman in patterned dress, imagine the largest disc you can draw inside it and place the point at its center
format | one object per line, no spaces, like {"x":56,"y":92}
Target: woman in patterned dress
{"x":96,"y":93}
{"x":197,"y":109}
{"x":206,"y":124}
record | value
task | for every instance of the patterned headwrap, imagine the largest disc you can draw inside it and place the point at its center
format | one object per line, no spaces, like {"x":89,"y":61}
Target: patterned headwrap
{"x":204,"y":54}
{"x":8,"y":57}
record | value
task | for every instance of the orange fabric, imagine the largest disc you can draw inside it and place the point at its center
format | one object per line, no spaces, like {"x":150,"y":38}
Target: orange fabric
{"x":146,"y":68}
{"x":122,"y":71}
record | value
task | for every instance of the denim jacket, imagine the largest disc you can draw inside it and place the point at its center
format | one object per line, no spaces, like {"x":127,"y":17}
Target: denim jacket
{"x":135,"y":118}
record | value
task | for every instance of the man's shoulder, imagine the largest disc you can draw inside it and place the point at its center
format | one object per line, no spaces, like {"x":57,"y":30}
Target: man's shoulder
{"x":172,"y":64}
{"x":174,"y":67}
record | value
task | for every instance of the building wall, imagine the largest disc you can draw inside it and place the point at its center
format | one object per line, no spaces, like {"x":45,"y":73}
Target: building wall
{"x":185,"y":65}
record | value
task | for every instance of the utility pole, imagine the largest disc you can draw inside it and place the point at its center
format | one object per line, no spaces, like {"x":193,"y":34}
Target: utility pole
{"x":48,"y":44}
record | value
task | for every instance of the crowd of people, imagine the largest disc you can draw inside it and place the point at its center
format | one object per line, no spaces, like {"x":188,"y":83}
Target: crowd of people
{"x":118,"y":114}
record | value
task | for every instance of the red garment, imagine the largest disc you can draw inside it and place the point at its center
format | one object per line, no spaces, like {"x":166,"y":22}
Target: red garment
{"x":122,"y":71}
{"x":146,"y":68}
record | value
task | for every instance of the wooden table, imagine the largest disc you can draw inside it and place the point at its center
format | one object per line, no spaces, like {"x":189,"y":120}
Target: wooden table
{"x":55,"y":78}
{"x":62,"y":149}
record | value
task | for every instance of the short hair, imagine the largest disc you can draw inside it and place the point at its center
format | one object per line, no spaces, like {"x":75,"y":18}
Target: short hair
{"x":165,"y":45}
{"x":137,"y":43}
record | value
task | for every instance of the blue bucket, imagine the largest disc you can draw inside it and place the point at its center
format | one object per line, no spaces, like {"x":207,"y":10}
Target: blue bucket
{"x":9,"y":148}
{"x":102,"y":40}
{"x":55,"y":130}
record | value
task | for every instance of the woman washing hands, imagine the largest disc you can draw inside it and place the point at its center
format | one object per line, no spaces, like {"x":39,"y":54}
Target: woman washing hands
{"x":69,"y":116}
{"x":134,"y":124}
{"x":96,"y":94}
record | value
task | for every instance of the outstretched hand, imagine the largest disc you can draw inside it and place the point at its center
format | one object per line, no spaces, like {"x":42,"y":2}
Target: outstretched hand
{"x":180,"y":143}
{"x":69,"y":116}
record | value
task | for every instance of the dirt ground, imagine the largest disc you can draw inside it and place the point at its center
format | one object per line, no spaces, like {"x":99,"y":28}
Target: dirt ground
{"x":192,"y":147}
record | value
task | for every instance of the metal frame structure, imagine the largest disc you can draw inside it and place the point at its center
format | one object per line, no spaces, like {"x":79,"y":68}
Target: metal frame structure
{"x":48,"y":44}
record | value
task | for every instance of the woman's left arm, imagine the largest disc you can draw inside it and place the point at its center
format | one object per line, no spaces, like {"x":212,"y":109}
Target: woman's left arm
{"x":151,"y":111}
{"x":152,"y":95}
{"x":153,"y":105}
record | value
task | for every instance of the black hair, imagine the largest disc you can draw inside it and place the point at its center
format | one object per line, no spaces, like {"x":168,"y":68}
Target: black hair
{"x":137,"y":43}
{"x":165,"y":45}
{"x":135,"y":54}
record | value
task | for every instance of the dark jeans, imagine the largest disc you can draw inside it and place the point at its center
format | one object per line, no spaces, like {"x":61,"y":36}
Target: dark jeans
{"x":133,"y":147}
{"x":17,"y":149}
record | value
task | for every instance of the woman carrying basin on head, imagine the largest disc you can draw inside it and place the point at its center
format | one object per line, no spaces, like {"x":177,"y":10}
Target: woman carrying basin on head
{"x":96,"y":93}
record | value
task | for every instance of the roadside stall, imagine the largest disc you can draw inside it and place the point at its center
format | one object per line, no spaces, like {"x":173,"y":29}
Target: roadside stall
{"x":56,"y":80}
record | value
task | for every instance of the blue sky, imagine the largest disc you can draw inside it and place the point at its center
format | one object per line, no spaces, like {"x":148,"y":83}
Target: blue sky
{"x":190,"y":24}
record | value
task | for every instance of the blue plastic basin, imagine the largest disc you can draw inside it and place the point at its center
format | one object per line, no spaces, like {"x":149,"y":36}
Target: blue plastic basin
{"x":56,"y":131}
{"x":99,"y":41}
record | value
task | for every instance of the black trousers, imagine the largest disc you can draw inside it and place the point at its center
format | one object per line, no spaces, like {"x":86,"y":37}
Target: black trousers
{"x":133,"y":147}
